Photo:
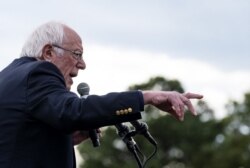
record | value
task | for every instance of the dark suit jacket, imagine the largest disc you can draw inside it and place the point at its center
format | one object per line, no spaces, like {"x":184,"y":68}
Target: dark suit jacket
{"x":38,"y":115}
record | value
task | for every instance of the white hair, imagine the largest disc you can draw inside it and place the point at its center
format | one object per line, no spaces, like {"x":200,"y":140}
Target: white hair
{"x":48,"y":33}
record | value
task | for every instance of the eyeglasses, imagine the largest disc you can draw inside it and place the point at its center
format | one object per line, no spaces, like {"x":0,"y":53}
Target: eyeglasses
{"x":77,"y":54}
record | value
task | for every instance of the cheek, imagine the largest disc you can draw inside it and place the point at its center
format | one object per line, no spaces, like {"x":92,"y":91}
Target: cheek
{"x":66,"y":65}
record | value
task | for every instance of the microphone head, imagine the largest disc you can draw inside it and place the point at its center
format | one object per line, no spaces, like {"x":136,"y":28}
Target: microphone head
{"x":83,"y":89}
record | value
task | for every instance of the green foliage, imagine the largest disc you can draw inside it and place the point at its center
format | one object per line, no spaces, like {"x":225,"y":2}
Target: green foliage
{"x":159,"y":83}
{"x":198,"y":142}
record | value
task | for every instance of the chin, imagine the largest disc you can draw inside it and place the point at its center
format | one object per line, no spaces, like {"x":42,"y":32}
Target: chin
{"x":69,"y":84}
{"x":68,"y":87}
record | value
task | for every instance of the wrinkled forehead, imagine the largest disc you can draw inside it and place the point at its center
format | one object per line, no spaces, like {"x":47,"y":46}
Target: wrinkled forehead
{"x":72,"y":38}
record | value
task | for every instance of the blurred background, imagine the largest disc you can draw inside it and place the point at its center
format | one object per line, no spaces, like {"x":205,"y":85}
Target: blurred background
{"x":184,"y":45}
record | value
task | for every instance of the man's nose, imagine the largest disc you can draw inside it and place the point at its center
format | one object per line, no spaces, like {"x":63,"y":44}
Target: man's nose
{"x":81,"y":64}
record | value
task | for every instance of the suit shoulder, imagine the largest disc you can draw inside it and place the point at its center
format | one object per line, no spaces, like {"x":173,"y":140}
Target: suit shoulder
{"x":44,"y":66}
{"x":36,"y":69}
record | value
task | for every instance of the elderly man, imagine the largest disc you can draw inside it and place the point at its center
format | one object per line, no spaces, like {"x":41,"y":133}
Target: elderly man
{"x":39,"y":114}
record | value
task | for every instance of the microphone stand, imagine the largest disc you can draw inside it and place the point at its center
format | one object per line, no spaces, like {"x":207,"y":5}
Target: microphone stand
{"x":125,"y":134}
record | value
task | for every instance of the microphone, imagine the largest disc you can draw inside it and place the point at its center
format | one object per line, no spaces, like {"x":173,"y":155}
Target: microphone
{"x":142,"y":128}
{"x":123,"y":131}
{"x":83,"y":90}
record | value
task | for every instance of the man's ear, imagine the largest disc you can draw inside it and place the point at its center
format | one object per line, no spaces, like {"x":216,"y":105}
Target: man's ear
{"x":47,"y":52}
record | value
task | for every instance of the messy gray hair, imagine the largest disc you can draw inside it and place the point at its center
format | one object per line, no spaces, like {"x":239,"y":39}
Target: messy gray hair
{"x":48,"y":33}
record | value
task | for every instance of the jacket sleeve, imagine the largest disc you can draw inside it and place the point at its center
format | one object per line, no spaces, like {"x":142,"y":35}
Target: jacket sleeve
{"x":51,"y":103}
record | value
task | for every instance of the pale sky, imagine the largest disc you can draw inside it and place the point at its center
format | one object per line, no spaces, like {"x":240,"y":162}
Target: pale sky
{"x":204,"y":44}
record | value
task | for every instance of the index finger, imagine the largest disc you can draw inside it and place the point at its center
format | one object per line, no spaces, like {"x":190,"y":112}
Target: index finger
{"x":193,"y":95}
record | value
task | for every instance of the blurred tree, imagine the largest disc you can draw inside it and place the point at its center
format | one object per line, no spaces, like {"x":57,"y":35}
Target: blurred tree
{"x":198,"y":142}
